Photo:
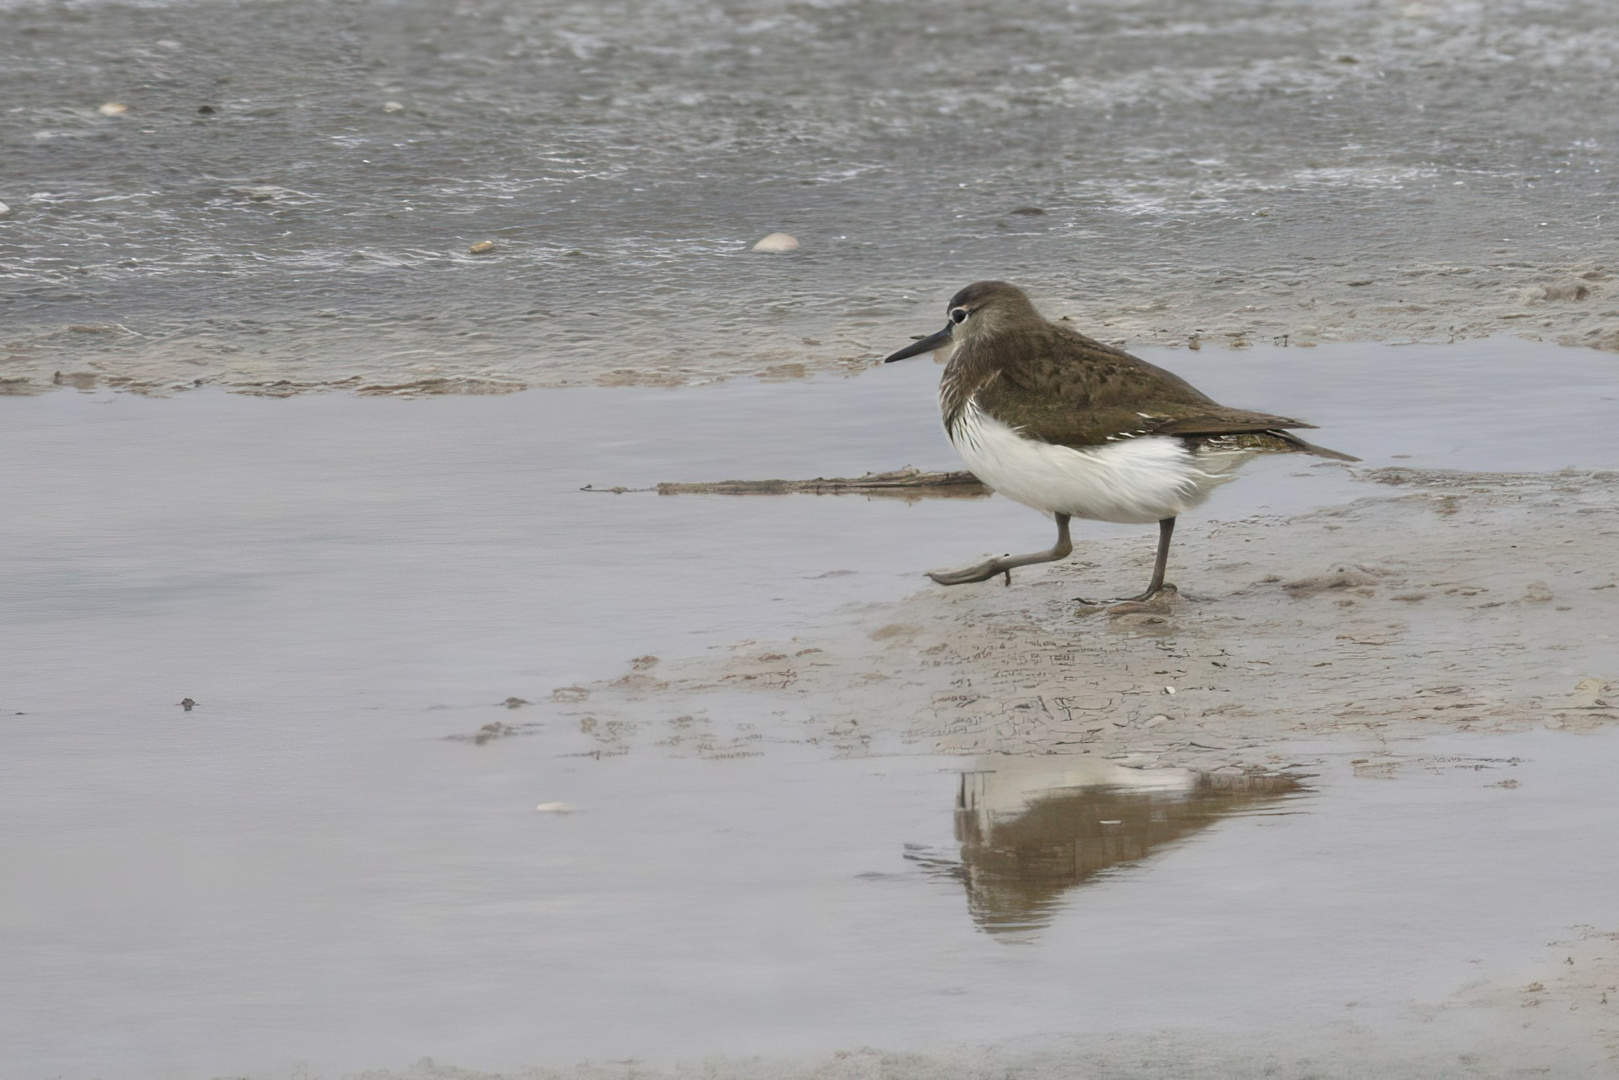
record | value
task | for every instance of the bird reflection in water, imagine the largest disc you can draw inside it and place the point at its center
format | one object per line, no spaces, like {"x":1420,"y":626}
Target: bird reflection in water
{"x":1033,"y":828}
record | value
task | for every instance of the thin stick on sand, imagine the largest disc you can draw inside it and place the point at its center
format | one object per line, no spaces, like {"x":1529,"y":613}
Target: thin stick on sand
{"x":907,"y":483}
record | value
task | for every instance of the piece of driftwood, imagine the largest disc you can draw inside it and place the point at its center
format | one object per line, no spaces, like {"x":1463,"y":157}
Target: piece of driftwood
{"x":901,"y":483}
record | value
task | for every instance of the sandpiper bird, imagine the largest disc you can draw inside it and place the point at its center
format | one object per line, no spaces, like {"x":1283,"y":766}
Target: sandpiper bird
{"x":1074,"y":428}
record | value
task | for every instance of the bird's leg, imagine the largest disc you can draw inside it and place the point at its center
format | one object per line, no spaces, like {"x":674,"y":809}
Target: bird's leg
{"x":1005,"y":564}
{"x":1166,"y":529}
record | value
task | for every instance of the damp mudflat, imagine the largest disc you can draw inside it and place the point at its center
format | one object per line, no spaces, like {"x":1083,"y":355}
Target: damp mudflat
{"x":333,"y":863}
{"x":300,"y":194}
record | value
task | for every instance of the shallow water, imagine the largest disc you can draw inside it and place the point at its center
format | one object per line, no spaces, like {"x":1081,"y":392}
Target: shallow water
{"x":439,"y":551}
{"x":1326,"y":170}
{"x":231,"y":896}
{"x":308,"y":868}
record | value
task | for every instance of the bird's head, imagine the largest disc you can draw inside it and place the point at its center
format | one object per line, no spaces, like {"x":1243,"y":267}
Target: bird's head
{"x":982,"y":310}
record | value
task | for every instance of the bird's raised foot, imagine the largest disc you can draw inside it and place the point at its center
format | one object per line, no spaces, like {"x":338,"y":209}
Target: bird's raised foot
{"x":1007,"y":563}
{"x":981,"y":572}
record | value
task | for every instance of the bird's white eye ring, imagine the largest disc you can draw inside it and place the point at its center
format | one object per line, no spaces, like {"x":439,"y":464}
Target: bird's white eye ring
{"x":959,"y":315}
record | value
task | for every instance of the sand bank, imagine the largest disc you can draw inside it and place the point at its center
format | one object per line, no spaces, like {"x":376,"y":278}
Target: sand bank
{"x":1439,"y":601}
{"x":1355,"y":300}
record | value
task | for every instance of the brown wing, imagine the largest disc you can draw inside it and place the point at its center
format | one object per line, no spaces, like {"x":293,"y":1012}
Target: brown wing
{"x":1221,"y":420}
{"x":1072,"y":390}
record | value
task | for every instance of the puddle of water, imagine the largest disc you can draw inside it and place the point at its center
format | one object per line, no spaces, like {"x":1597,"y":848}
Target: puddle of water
{"x":205,"y":917}
{"x":303,"y":868}
{"x":402,"y":553}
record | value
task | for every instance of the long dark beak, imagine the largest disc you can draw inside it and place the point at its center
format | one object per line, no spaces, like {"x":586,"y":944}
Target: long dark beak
{"x":927,"y":344}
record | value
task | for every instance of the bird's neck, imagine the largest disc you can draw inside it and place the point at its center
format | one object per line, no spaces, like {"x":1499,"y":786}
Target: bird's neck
{"x":973,"y":366}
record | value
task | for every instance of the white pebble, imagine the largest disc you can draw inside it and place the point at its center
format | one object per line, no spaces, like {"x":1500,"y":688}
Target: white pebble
{"x":777,"y":241}
{"x":113,"y":108}
{"x":1169,"y":689}
{"x":554,"y":808}
{"x":392,"y":106}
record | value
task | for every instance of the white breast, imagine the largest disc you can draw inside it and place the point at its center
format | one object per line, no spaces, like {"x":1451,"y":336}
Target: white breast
{"x":1132,"y":481}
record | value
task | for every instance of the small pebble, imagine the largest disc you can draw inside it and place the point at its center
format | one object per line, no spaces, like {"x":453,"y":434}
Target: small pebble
{"x":777,"y":241}
{"x":205,"y":110}
{"x":554,"y":808}
{"x":482,"y":247}
{"x":113,"y":108}
{"x":392,"y":106}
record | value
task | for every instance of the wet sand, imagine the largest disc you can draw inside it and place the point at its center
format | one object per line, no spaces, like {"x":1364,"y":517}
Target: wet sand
{"x":1352,"y":300}
{"x":1162,"y":171}
{"x":1336,"y":809}
{"x":1437,"y":601}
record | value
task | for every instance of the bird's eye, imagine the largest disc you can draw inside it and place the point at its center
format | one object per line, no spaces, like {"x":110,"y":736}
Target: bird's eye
{"x":959,"y":315}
